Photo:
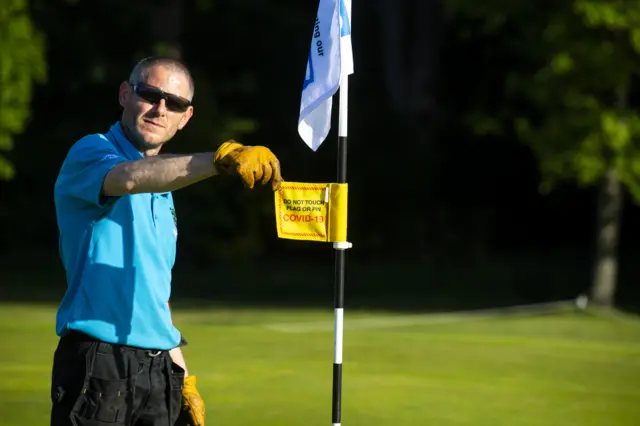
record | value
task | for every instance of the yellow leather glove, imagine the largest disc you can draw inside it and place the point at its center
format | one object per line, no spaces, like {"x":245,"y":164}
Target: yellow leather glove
{"x":254,"y":164}
{"x":192,"y":403}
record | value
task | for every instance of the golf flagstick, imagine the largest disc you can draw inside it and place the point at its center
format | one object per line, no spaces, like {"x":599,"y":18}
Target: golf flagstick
{"x":340,"y":261}
{"x":318,"y":211}
{"x":341,"y":247}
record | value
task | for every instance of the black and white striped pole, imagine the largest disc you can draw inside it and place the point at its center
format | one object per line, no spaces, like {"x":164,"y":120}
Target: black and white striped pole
{"x":340,"y":249}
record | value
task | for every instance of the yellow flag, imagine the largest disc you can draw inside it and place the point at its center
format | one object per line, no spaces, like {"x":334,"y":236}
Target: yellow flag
{"x":312,"y":211}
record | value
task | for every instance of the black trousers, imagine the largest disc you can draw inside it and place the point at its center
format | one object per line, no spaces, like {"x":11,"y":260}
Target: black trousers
{"x":96,"y":383}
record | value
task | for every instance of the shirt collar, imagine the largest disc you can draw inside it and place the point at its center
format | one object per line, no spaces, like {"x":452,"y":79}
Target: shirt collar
{"x":126,"y":147}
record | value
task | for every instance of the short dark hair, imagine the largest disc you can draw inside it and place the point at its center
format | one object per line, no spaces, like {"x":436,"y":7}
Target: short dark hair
{"x":140,"y":72}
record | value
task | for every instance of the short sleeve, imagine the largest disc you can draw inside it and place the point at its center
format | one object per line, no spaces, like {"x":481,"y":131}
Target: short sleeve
{"x":83,"y":171}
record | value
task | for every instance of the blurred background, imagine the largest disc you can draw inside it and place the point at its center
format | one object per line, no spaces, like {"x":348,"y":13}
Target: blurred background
{"x":493,"y":155}
{"x":492,"y":148}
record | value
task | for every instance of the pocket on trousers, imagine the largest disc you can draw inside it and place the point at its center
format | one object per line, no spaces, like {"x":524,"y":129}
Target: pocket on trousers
{"x":176,"y":377}
{"x":102,"y":402}
{"x":67,"y":377}
{"x":176,"y":384}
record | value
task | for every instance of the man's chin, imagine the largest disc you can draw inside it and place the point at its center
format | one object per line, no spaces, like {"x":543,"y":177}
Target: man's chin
{"x":151,"y":140}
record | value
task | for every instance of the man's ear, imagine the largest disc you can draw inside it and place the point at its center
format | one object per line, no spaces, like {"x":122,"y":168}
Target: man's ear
{"x":124,"y":94}
{"x":185,"y":118}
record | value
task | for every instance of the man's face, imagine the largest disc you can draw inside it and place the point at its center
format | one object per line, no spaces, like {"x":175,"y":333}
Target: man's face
{"x":149,"y":119}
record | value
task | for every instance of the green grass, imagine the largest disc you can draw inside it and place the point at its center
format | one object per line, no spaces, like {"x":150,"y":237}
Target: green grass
{"x":565,"y":369}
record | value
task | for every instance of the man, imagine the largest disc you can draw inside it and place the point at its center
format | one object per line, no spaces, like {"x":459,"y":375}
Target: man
{"x":118,"y":360}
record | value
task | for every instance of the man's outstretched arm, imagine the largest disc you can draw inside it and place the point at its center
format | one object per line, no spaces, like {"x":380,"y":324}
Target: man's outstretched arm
{"x":166,"y":173}
{"x":161,"y":173}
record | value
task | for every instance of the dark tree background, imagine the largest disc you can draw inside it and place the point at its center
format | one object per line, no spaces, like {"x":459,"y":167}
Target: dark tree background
{"x":473,"y":173}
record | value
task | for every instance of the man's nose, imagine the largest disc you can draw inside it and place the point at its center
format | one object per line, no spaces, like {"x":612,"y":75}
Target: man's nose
{"x":161,"y":107}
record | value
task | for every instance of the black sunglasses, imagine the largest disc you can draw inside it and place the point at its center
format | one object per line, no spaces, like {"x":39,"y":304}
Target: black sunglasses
{"x":154,"y":94}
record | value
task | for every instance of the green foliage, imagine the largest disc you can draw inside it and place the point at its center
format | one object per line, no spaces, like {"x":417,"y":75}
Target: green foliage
{"x":22,"y":63}
{"x":614,"y":15}
{"x":570,"y":103}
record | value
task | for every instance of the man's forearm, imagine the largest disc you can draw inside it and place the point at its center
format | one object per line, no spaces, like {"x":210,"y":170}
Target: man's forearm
{"x":161,"y":173}
{"x":178,"y":358}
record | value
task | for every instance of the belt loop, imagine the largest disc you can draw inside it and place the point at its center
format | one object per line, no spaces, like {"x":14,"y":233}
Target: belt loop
{"x":102,"y":347}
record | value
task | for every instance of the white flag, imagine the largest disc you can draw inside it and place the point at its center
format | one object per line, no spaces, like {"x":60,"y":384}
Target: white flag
{"x":330,"y":60}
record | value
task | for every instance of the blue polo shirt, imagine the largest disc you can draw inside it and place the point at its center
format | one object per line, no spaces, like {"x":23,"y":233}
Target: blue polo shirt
{"x":118,"y":252}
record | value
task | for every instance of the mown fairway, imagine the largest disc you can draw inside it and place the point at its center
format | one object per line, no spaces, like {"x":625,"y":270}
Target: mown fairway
{"x":273,"y":367}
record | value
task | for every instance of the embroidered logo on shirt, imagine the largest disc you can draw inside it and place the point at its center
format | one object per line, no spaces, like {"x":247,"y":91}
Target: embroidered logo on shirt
{"x":110,"y":157}
{"x":175,"y":216}
{"x":175,"y":221}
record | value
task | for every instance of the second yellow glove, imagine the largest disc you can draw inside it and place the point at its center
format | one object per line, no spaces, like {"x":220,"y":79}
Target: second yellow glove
{"x":192,"y":404}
